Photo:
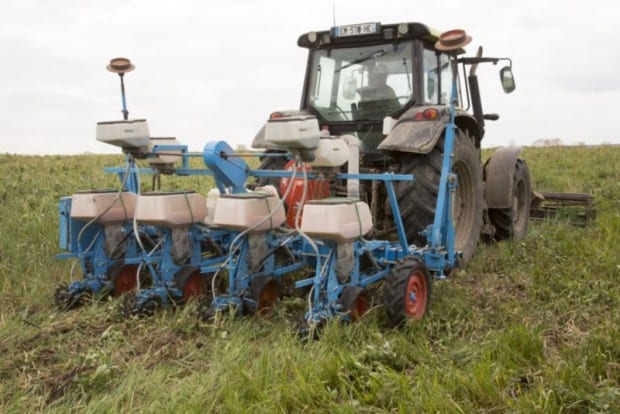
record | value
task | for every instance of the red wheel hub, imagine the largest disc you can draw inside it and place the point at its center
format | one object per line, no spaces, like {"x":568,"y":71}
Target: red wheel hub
{"x":195,"y":286}
{"x":359,"y":308}
{"x":125,"y":280}
{"x":416,"y":295}
{"x":268,"y":297}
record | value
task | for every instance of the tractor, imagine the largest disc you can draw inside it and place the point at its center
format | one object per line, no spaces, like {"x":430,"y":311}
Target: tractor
{"x":380,"y":171}
{"x":390,"y":87}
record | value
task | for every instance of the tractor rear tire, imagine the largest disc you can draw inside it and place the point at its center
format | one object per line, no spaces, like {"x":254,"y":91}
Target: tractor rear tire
{"x":407,"y":291}
{"x":417,"y":201}
{"x":511,"y":223}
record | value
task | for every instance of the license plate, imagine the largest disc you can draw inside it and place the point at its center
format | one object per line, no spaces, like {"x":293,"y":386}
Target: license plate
{"x":356,"y":29}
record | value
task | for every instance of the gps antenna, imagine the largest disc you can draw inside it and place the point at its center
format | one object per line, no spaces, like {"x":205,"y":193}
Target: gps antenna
{"x":121,"y":66}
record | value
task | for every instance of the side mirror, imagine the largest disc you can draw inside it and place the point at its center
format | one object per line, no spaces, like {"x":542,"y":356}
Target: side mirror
{"x":350,"y":88}
{"x":507,"y":78}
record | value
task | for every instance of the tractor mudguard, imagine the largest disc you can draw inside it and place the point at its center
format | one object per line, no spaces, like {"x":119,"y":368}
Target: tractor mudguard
{"x":418,"y":136}
{"x":259,"y":139}
{"x":499,"y":173}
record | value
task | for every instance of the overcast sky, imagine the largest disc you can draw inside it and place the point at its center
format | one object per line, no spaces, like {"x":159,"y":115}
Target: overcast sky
{"x":209,"y":70}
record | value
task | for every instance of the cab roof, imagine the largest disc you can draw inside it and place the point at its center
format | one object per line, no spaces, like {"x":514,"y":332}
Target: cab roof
{"x":368,"y":33}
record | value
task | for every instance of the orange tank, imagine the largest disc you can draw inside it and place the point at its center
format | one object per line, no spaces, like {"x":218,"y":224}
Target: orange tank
{"x":317,"y":189}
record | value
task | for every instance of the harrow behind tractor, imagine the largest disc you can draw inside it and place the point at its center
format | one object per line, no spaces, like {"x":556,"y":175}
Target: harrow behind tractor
{"x":317,"y":226}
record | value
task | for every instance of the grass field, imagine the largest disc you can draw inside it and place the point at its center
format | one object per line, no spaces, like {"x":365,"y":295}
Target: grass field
{"x":528,"y":326}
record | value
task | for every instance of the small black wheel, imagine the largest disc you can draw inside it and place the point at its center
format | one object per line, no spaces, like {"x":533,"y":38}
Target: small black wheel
{"x":130,"y":301}
{"x":133,"y":306}
{"x":66,"y":301}
{"x":205,"y":311}
{"x":354,"y":300}
{"x":407,"y":291}
{"x":265,"y":291}
{"x":511,"y":223}
{"x":150,"y":306}
{"x":62,"y":298}
{"x":191,"y":283}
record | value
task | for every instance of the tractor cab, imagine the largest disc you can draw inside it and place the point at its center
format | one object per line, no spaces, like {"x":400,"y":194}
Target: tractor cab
{"x":358,"y":75}
{"x":400,"y":95}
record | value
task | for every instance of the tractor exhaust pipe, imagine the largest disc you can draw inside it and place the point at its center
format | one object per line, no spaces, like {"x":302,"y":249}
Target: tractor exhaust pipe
{"x":476,"y":101}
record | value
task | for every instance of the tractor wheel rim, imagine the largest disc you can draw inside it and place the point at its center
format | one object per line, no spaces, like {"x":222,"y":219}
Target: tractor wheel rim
{"x":462,"y":213}
{"x":125,"y":280}
{"x":416,"y":296}
{"x":194,"y":287}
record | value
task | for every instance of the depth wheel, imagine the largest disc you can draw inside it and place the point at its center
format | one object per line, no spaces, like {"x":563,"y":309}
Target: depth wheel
{"x":265,"y":291}
{"x":66,"y":301}
{"x":354,"y":300}
{"x":407,"y":291}
{"x":511,"y":223}
{"x":417,"y":200}
{"x":135,"y":306}
{"x":123,"y":278}
{"x":62,"y":297}
{"x":150,"y":306}
{"x":191,"y":283}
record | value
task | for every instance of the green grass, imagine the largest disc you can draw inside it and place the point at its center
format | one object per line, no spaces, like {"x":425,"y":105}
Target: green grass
{"x":528,"y":326}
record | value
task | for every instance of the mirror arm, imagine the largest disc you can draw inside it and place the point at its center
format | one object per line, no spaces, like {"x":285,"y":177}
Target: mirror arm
{"x":475,"y":60}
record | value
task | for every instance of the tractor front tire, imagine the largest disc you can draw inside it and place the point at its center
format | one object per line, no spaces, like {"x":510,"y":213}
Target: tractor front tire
{"x":417,"y":201}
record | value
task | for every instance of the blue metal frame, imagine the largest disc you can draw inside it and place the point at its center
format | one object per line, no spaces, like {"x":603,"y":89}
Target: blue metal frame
{"x":89,"y":249}
{"x":231,"y":174}
{"x":441,"y":235}
{"x":163,"y":269}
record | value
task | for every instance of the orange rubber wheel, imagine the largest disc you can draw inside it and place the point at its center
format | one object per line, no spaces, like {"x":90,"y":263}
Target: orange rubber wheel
{"x":407,"y":291}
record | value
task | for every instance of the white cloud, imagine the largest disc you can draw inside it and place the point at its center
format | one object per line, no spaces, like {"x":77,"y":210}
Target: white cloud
{"x":215,"y":71}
